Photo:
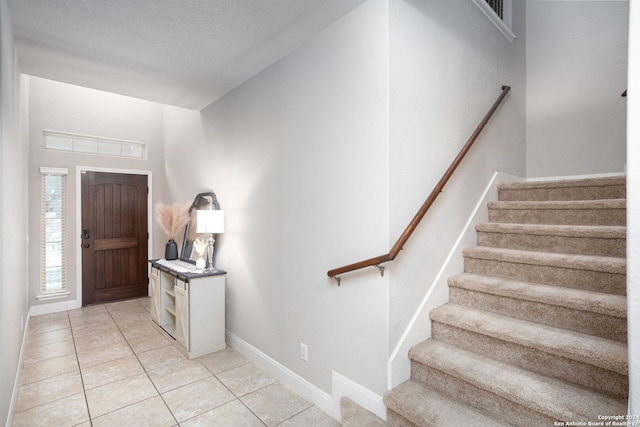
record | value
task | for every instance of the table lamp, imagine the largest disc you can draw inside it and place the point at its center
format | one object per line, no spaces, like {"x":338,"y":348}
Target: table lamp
{"x":210,"y":221}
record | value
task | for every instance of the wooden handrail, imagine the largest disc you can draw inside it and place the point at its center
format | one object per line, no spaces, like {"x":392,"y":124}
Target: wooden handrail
{"x":391,"y":255}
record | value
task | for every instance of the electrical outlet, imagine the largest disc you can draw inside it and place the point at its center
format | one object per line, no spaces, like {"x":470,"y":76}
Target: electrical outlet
{"x":304,"y":352}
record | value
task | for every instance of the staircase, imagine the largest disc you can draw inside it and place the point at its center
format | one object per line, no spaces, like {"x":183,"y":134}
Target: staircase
{"x":535,"y":330}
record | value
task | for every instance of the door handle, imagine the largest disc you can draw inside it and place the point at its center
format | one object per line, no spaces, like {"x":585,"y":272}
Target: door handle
{"x":86,"y":245}
{"x":85,"y":233}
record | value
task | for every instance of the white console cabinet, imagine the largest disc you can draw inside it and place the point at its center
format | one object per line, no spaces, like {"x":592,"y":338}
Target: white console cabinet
{"x":189,"y":308}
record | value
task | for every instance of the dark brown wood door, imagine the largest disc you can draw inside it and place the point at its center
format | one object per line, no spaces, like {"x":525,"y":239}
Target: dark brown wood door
{"x":114,"y":236}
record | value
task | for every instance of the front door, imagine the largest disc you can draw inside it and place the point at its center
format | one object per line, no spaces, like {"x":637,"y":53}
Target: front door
{"x":114,"y":236}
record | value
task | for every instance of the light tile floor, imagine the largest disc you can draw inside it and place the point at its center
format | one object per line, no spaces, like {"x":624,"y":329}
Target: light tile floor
{"x":105,"y":365}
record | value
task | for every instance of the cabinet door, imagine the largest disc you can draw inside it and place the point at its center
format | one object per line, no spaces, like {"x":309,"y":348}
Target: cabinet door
{"x":166,"y":308}
{"x":182,"y":313}
{"x":154,"y":278}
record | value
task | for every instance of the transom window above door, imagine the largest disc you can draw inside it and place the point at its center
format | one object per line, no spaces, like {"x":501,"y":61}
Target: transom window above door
{"x":64,"y":141}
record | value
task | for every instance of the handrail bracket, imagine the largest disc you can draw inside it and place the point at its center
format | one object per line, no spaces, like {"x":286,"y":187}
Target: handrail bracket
{"x":381,"y":268}
{"x":337,"y":279}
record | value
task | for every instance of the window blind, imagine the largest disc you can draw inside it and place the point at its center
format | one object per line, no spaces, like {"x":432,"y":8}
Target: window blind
{"x":53,"y":231}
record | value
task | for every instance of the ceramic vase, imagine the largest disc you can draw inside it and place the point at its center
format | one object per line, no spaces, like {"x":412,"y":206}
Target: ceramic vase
{"x":171,"y":250}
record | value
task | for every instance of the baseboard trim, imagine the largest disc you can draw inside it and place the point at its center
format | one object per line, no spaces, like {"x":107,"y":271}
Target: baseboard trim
{"x":419,"y":329}
{"x":55,"y":307}
{"x":18,"y":380}
{"x":304,"y":388}
{"x":342,"y":386}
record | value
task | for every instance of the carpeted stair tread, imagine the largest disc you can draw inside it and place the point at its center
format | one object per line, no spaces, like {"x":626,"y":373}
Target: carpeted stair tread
{"x":354,"y":415}
{"x":536,"y":327}
{"x":578,"y":299}
{"x":572,"y":239}
{"x":559,"y":204}
{"x":600,"y":231}
{"x":423,"y":406}
{"x":600,"y":352}
{"x":595,"y":313}
{"x":581,"y":212}
{"x":594,"y":273}
{"x":567,"y":183}
{"x":611,"y":265}
{"x":550,"y":397}
{"x":569,"y":189}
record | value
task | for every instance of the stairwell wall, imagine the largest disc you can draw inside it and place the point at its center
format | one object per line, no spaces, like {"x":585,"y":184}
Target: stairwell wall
{"x":297,"y":157}
{"x":576,"y":73}
{"x":447,"y":65}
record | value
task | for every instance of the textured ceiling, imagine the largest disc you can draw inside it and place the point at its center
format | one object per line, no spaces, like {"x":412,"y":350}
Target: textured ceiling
{"x":179,"y":52}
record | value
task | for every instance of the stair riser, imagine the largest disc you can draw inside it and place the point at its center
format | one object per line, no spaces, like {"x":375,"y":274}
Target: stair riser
{"x":536,"y":360}
{"x":478,"y":398}
{"x":600,"y":325}
{"x":555,"y":244}
{"x":397,"y":420}
{"x":412,"y":403}
{"x":597,"y":281}
{"x":616,"y":217}
{"x":522,"y":373}
{"x":565,"y":193}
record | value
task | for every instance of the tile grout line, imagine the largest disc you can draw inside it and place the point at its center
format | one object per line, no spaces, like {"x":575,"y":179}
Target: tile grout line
{"x":114,"y":314}
{"x":133,"y":352}
{"x":44,"y":379}
{"x":236,"y":397}
{"x":84,"y":389}
{"x":143,"y":368}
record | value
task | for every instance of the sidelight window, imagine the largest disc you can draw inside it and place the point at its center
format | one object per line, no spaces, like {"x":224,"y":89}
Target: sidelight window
{"x":53,"y":232}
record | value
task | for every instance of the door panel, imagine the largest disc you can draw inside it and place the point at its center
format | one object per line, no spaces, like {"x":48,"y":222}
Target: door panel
{"x":114,"y":244}
{"x":155,"y":294}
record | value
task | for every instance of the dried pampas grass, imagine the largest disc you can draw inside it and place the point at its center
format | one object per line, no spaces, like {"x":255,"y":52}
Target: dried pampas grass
{"x":172,"y":217}
{"x":200,"y":246}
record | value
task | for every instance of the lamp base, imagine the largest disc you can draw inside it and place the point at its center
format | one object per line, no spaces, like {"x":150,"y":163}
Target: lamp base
{"x":210,"y":242}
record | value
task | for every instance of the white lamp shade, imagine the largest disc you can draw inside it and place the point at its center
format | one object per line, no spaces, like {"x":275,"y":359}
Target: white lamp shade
{"x":210,"y":221}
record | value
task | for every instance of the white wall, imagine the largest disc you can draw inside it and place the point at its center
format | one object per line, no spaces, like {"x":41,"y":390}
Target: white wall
{"x":320,"y":160}
{"x":633,"y":208}
{"x":67,"y":108}
{"x":13,"y":205}
{"x":187,"y":168}
{"x":448,"y":63}
{"x":576,"y":72}
{"x":298,"y":159}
